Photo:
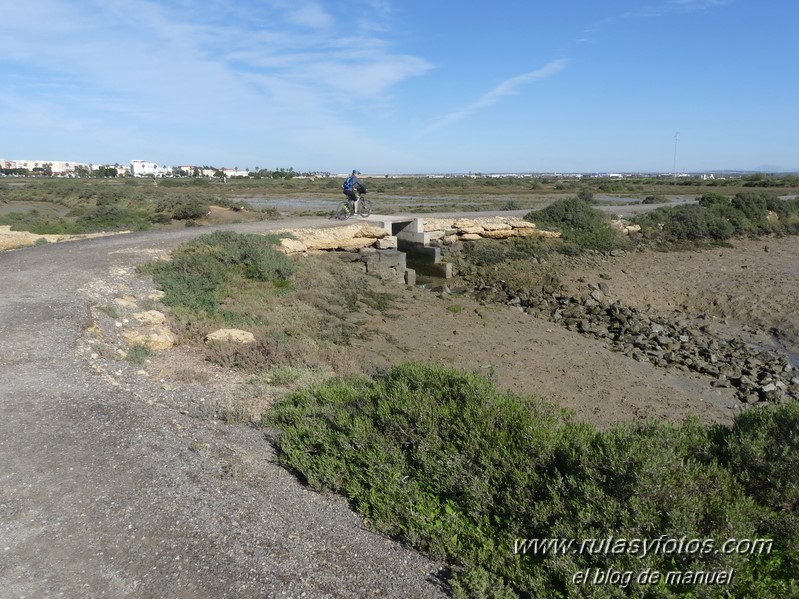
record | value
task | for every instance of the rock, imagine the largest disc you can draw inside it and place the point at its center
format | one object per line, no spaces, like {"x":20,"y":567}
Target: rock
{"x":152,"y":337}
{"x":150,"y":317}
{"x":499,"y":233}
{"x":230,"y":335}
{"x":126,"y":301}
{"x":291,"y":246}
{"x":722,"y":381}
{"x":387,"y":243}
{"x":495,"y":225}
{"x":371,"y":231}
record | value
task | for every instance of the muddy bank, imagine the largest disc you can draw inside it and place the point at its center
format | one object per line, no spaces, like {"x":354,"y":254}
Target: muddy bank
{"x":691,"y":312}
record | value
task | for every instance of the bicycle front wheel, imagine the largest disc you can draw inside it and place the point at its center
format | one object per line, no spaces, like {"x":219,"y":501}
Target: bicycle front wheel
{"x":366,"y":208}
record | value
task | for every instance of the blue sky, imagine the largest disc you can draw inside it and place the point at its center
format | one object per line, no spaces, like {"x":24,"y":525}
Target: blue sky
{"x":410,"y":86}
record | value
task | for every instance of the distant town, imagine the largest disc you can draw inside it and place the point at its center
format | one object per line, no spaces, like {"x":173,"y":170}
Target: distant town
{"x":143,"y":168}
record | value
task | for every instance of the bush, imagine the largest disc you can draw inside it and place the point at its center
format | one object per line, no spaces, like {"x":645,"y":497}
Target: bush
{"x":571,"y":213}
{"x":714,"y":199}
{"x":108,"y":217}
{"x":444,"y":461}
{"x":183,"y":208}
{"x":37,"y":222}
{"x":579,"y":223}
{"x":684,"y":223}
{"x":717,"y":217}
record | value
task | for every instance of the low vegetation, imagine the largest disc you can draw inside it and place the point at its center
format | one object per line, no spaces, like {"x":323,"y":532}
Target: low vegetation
{"x":718,"y":217}
{"x":715,"y":218}
{"x":447,"y":463}
{"x":450,"y":465}
{"x":300,"y":312}
{"x":68,"y":207}
{"x":581,"y":225}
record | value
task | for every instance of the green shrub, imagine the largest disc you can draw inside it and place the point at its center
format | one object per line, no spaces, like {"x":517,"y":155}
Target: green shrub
{"x":717,"y":217}
{"x":579,"y":223}
{"x":444,"y":461}
{"x":108,"y":217}
{"x":713,"y":199}
{"x":183,"y":208}
{"x":571,"y":213}
{"x":685,"y":223}
{"x":138,"y":354}
{"x":37,"y":222}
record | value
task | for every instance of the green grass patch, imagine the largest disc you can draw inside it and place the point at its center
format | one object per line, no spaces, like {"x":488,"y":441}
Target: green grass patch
{"x":138,"y":354}
{"x":300,"y":312}
{"x":447,"y":463}
{"x":109,"y":310}
{"x":204,"y":272}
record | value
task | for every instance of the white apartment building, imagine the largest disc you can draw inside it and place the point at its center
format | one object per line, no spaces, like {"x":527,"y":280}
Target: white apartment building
{"x":57,"y":167}
{"x":142,"y":168}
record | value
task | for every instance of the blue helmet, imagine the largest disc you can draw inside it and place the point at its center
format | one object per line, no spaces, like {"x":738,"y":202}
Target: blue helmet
{"x":355,"y":171}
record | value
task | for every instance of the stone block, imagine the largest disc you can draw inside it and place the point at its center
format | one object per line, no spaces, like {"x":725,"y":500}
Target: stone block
{"x":387,"y":243}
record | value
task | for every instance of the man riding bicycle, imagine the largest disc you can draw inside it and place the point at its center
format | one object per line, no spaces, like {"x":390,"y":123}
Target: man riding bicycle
{"x":350,"y":185}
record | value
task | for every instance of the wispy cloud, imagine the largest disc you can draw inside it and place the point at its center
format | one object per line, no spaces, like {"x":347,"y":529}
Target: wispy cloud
{"x":494,"y":95}
{"x":653,"y":11}
{"x":276,"y":63}
{"x":692,"y":5}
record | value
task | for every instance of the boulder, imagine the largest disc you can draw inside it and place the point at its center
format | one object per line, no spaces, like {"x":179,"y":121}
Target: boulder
{"x":495,"y":225}
{"x":230,"y":335}
{"x":292,"y":246}
{"x":499,"y":233}
{"x":387,"y":243}
{"x":152,"y":337}
{"x":150,"y":317}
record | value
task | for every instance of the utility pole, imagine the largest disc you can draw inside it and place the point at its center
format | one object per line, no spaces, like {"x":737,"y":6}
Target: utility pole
{"x":674,"y":166}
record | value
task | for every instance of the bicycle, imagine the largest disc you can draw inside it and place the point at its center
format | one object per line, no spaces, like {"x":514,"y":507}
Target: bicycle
{"x":345,"y":210}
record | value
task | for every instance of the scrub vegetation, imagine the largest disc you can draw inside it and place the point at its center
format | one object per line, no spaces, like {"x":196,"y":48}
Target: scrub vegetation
{"x":446,"y":462}
{"x":450,"y":465}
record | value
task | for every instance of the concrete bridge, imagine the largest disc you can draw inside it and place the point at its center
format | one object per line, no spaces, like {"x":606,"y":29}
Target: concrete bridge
{"x":414,"y":242}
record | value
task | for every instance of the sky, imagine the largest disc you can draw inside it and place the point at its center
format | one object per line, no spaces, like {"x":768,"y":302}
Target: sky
{"x":404,"y":86}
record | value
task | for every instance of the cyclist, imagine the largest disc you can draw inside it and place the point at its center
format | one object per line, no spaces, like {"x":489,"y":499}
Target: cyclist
{"x":350,"y":185}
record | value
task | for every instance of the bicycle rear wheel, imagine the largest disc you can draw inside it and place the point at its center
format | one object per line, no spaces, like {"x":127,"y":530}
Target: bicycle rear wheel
{"x":366,"y":208}
{"x":343,"y":211}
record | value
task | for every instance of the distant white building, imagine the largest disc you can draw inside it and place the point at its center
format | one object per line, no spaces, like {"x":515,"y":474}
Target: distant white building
{"x":234,"y":172}
{"x":142,"y":168}
{"x":58,"y":168}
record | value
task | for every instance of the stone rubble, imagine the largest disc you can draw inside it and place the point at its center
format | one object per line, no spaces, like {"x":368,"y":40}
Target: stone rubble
{"x":671,"y":341}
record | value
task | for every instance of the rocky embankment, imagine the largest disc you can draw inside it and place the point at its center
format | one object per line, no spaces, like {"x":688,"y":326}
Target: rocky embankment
{"x":669,"y":340}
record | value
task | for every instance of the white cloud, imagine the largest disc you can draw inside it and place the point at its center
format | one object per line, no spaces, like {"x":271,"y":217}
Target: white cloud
{"x":283,"y":62}
{"x":505,"y":88}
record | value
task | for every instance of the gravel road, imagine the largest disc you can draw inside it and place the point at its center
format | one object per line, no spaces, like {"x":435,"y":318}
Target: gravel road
{"x":109,"y":490}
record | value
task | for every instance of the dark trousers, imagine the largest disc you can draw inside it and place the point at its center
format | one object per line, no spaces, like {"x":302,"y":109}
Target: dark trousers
{"x":350,"y":193}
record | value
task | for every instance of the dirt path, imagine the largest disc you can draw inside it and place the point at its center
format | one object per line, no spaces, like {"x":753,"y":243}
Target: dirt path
{"x":108,"y":490}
